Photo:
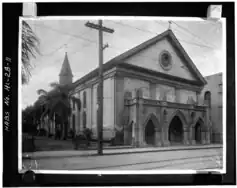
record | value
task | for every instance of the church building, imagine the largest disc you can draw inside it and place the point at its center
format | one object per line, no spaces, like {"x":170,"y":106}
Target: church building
{"x":151,"y":96}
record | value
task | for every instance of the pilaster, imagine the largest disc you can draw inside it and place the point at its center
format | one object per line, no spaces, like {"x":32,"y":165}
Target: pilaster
{"x":203,"y":135}
{"x":186,"y":134}
{"x":126,"y":135}
{"x":208,"y":140}
{"x":157,"y":137}
{"x":192,"y":135}
{"x":165,"y":136}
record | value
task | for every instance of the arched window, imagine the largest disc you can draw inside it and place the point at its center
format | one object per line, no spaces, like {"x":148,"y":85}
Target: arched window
{"x":73,"y":122}
{"x":84,"y":119}
{"x":73,"y":104}
{"x":84,"y":99}
{"x":207,"y":98}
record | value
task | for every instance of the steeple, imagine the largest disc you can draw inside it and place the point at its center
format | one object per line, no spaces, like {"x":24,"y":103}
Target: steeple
{"x":65,"y":76}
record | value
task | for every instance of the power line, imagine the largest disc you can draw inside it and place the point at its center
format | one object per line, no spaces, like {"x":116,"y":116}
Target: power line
{"x":66,"y":33}
{"x":123,"y":24}
{"x":188,"y":42}
{"x":54,"y":51}
{"x":114,"y":47}
{"x":194,"y":35}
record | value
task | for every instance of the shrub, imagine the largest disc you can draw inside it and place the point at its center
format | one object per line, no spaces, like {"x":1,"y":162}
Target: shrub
{"x":79,"y":140}
{"x":42,"y":132}
{"x":71,"y":133}
{"x":88,"y":133}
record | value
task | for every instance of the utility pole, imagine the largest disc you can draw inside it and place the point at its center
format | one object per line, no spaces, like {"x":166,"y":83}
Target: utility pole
{"x":100,"y":28}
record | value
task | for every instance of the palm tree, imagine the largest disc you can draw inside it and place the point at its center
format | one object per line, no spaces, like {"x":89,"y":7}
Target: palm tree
{"x":30,"y":47}
{"x":57,"y":102}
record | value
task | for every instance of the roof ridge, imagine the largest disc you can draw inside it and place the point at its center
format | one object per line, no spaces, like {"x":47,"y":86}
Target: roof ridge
{"x":119,"y":58}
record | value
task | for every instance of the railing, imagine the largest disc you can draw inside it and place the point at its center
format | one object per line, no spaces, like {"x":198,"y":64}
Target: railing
{"x":167,"y":104}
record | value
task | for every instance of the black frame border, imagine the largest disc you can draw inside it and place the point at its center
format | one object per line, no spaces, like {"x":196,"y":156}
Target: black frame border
{"x":11,"y":14}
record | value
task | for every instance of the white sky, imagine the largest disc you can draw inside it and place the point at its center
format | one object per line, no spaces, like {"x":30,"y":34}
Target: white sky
{"x":82,"y":46}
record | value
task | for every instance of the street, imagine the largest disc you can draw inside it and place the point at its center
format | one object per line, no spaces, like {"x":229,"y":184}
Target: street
{"x":174,"y":160}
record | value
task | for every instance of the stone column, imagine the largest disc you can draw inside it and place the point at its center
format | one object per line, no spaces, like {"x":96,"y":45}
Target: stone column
{"x":203,"y":136}
{"x":186,"y":133}
{"x":157,"y":137}
{"x":208,"y":136}
{"x":165,"y":136}
{"x":137,"y":140}
{"x":133,"y":134}
{"x":126,"y":135}
{"x":192,"y":135}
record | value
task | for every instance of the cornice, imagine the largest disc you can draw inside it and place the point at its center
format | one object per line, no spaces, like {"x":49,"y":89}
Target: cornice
{"x":122,"y":72}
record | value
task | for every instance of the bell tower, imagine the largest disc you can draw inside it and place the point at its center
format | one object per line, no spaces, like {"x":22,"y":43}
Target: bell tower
{"x":65,"y":76}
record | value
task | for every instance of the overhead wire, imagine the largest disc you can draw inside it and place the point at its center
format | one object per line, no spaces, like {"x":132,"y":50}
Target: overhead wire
{"x":188,"y":42}
{"x":112,"y":46}
{"x":148,"y":31}
{"x":66,"y":33}
{"x":194,"y":35}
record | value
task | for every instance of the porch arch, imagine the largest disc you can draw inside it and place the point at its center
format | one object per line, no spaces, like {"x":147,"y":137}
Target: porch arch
{"x":151,"y":126}
{"x":197,"y":129}
{"x":177,"y":125}
{"x":154,"y":120}
{"x":181,"y":116}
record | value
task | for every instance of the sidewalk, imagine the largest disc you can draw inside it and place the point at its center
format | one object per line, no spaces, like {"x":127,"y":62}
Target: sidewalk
{"x":114,"y":151}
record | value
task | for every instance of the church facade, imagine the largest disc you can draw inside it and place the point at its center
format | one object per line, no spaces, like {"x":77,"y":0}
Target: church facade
{"x":151,"y":97}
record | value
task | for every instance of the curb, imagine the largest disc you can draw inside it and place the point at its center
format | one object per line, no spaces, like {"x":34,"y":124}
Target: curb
{"x":125,"y":152}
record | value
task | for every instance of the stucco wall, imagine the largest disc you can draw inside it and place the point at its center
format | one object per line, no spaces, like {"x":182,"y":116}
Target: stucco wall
{"x":119,"y":98}
{"x":158,"y":91}
{"x":132,"y":84}
{"x":163,"y":90}
{"x":184,"y":94}
{"x":149,"y":58}
{"x":214,"y":85}
{"x":108,"y":108}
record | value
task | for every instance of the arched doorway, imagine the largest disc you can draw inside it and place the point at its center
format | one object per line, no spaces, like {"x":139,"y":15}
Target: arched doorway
{"x":197,"y":133}
{"x":150,"y":133}
{"x":176,"y":131}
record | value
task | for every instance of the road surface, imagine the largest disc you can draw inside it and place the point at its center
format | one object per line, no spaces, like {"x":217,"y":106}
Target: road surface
{"x":173,"y":160}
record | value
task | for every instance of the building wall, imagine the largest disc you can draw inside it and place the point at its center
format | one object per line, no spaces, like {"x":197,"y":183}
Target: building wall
{"x":149,"y":58}
{"x":184,"y":94}
{"x":164,"y":92}
{"x":132,"y":85}
{"x":214,"y":85}
{"x":158,"y":91}
{"x":108,"y":108}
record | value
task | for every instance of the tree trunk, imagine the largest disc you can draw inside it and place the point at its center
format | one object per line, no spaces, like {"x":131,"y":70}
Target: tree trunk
{"x":65,"y":129}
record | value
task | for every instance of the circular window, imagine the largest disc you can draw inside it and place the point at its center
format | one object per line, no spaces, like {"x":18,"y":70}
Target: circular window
{"x":165,"y":60}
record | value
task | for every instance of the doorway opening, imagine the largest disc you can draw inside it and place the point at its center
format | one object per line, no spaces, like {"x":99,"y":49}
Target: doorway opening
{"x":150,"y":133}
{"x":176,"y":131}
{"x":198,"y":132}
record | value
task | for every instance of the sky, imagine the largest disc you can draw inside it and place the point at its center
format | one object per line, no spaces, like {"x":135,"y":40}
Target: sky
{"x":202,"y":40}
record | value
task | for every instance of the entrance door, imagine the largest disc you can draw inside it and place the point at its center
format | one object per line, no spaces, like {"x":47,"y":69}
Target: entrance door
{"x":150,"y":133}
{"x":176,"y":131}
{"x":198,"y":132}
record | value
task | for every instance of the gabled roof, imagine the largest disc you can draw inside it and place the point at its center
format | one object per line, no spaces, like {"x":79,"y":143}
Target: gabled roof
{"x":122,"y":57}
{"x":66,"y":69}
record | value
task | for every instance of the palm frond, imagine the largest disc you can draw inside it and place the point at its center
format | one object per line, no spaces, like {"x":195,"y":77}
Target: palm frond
{"x":54,"y":84}
{"x":42,"y":92}
{"x":30,"y":47}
